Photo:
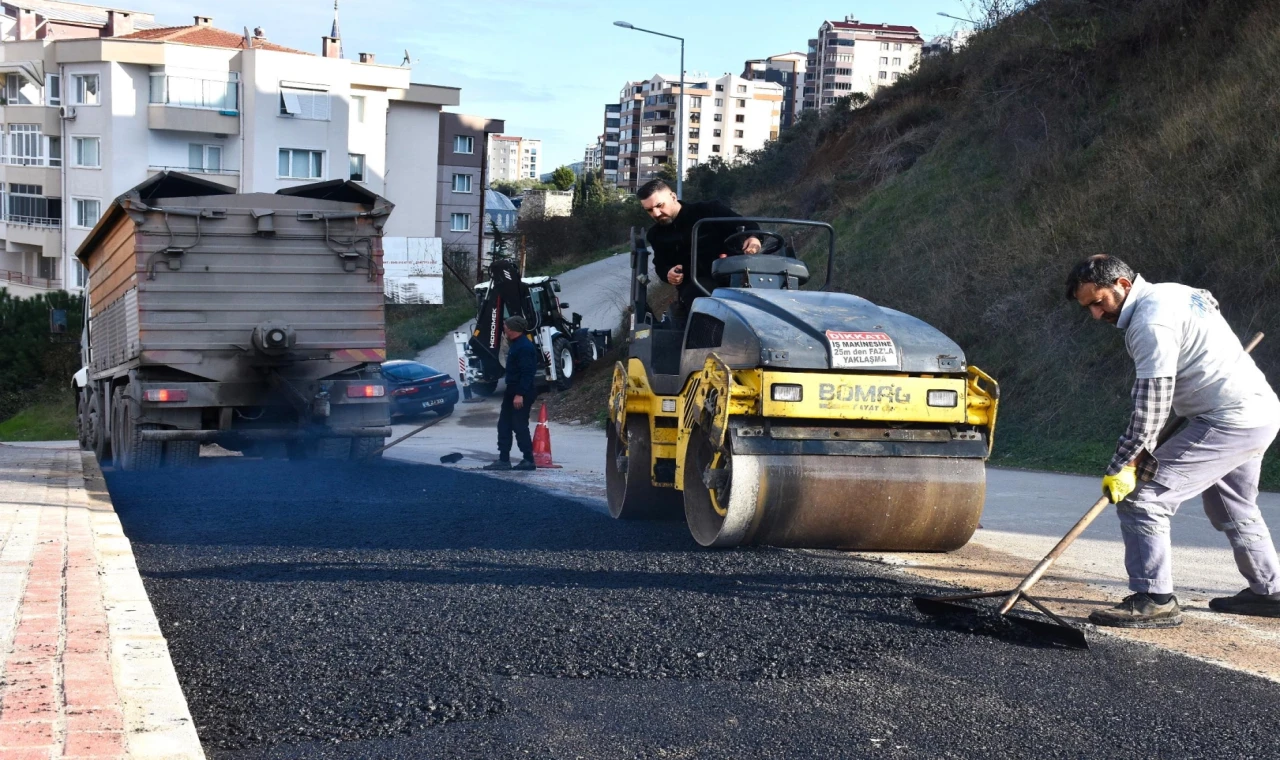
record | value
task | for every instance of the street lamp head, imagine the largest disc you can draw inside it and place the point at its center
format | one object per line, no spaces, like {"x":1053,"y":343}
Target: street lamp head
{"x":940,"y":13}
{"x":623,"y":24}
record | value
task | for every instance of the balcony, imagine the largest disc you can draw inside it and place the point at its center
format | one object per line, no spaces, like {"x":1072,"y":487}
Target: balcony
{"x":187,"y":104}
{"x":24,"y":285}
{"x":37,"y":231}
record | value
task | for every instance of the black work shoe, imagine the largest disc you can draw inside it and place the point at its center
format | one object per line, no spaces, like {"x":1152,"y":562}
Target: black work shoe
{"x":525,"y":465}
{"x":1248,"y":603}
{"x":501,"y":464}
{"x":1139,"y":611}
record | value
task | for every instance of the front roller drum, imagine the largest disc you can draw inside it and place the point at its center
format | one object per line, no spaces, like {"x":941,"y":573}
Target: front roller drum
{"x":832,"y":502}
{"x":629,"y":476}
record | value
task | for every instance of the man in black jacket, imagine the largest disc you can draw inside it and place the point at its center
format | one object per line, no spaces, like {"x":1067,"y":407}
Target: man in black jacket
{"x":672,"y":240}
{"x":522,"y":367}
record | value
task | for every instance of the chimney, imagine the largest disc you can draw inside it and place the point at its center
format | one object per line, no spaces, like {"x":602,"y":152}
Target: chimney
{"x":26,"y":26}
{"x":204,"y":20}
{"x":330,"y":47}
{"x":119,"y":23}
{"x":366,"y":58}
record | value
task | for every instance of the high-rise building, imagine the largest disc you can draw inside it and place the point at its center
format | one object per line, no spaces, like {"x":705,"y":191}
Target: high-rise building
{"x":609,"y":142}
{"x":592,"y":154}
{"x":97,"y":100}
{"x":725,"y":118}
{"x":513,"y":158}
{"x":851,"y":56}
{"x":786,"y":69}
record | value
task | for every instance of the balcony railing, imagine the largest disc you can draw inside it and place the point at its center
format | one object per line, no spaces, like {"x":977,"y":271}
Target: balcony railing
{"x":189,"y":92}
{"x":31,"y":161}
{"x":194,"y":170}
{"x":18,"y":278}
{"x":31,"y":221}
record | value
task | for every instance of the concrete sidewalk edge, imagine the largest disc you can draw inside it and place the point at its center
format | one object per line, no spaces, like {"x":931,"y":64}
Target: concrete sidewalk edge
{"x":157,"y":722}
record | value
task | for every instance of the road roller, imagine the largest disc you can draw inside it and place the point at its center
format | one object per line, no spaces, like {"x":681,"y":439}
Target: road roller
{"x":788,"y":415}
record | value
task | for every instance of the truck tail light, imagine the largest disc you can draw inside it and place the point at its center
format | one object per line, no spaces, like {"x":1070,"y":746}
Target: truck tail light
{"x":366,"y":391}
{"x":409,"y":391}
{"x":162,"y":395}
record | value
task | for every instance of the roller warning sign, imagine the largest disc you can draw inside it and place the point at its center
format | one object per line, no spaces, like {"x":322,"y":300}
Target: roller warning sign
{"x":862,"y":350}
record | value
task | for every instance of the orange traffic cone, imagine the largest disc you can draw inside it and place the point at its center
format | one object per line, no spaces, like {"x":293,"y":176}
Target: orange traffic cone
{"x":542,"y":443}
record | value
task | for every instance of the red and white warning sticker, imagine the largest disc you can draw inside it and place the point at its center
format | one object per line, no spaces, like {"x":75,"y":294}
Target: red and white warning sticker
{"x":862,"y":350}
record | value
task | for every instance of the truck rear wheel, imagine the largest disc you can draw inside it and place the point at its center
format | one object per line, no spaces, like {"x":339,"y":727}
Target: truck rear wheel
{"x":181,"y":453}
{"x":362,"y":447}
{"x":83,"y":430}
{"x":333,"y":448}
{"x":98,"y":440}
{"x":131,"y":452}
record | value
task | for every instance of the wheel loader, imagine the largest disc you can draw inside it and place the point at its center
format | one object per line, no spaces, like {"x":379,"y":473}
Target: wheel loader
{"x":796,"y":417}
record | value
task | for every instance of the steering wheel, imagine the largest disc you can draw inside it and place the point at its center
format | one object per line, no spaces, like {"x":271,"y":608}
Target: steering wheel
{"x":771,"y":243}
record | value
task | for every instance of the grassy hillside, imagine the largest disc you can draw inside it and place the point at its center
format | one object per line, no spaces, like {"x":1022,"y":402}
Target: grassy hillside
{"x":963,"y":195}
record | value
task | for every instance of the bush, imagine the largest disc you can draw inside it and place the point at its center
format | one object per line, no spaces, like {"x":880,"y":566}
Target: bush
{"x":31,"y":360}
{"x":575,"y":238}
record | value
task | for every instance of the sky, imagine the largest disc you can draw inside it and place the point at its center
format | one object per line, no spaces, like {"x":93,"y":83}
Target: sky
{"x":547,"y":67}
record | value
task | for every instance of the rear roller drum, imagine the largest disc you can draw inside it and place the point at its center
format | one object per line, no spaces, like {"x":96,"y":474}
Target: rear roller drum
{"x":628,"y":479}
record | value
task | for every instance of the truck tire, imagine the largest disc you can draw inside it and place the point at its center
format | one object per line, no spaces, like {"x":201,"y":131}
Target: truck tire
{"x":133,"y":453}
{"x":83,"y":429}
{"x":181,"y":453}
{"x":333,"y":448}
{"x":360,"y":448}
{"x":562,"y":355}
{"x":98,"y":438}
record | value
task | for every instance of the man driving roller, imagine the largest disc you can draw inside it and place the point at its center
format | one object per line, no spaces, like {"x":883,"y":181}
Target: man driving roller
{"x":672,"y":240}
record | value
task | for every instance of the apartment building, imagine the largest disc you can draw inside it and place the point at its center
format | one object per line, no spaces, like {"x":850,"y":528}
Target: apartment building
{"x":460,"y":213}
{"x":609,"y":143}
{"x":786,"y":69}
{"x":98,"y":99}
{"x":592,"y":155}
{"x":726,"y":118}
{"x":851,"y":56}
{"x":513,"y":158}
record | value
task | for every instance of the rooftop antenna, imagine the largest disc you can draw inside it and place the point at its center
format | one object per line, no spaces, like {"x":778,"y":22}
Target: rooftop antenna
{"x":335,"y":34}
{"x":406,"y":61}
{"x":248,"y":41}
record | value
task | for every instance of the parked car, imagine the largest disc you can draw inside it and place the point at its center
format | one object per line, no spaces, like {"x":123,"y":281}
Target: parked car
{"x":416,"y":388}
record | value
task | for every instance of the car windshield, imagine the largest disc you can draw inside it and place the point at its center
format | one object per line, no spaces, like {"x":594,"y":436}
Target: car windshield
{"x":411,"y":371}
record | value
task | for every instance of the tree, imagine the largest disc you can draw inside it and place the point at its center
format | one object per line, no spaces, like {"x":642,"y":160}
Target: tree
{"x":501,"y":241}
{"x":589,"y":193}
{"x":667,"y":173}
{"x":563,"y":178}
{"x":512,"y":188}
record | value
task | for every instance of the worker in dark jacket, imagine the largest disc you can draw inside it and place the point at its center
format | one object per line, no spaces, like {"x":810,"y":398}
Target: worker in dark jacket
{"x":672,"y":240}
{"x":522,"y":366}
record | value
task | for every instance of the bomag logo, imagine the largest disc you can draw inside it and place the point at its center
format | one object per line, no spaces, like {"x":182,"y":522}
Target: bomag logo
{"x":863,"y":394}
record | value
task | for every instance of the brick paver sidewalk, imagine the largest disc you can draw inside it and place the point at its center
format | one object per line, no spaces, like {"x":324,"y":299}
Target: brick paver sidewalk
{"x":86,"y":672}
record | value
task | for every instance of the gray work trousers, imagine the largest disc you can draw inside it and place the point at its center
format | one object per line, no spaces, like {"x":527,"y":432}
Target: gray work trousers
{"x":1222,"y":464}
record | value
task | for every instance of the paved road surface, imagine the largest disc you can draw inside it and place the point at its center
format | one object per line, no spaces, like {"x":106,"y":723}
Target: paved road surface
{"x":597,"y":291}
{"x":331,"y":611}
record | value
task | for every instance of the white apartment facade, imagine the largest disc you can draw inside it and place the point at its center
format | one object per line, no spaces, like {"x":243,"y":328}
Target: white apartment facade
{"x":724,"y":118}
{"x":530,"y":166}
{"x":102,"y":114}
{"x":851,"y":56}
{"x":513,"y":158}
{"x":786,"y":69}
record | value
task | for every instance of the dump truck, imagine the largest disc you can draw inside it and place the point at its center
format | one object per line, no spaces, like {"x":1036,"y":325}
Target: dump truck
{"x":565,"y":346}
{"x":796,"y":417}
{"x":254,"y":321}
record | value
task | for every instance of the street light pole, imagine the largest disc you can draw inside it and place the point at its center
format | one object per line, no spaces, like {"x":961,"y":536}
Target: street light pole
{"x":679,"y":106}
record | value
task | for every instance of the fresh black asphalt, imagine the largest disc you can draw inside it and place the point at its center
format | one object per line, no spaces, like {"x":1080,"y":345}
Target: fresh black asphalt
{"x":409,"y":611}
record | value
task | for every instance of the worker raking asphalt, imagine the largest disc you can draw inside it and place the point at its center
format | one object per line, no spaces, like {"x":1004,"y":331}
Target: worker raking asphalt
{"x":327,"y":611}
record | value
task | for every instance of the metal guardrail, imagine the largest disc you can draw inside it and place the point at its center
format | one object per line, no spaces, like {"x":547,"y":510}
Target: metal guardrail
{"x":189,"y":170}
{"x":7,"y":276}
{"x":31,"y":221}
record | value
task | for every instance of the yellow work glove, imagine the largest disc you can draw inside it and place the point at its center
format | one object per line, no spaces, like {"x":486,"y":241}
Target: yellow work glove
{"x":1116,"y":487}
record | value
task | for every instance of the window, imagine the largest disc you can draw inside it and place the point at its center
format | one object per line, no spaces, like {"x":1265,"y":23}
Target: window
{"x":717,"y":117}
{"x":357,"y":166}
{"x":715,"y":148}
{"x":357,"y":108}
{"x":715,"y":133}
{"x":884,"y":75}
{"x":740,"y":118}
{"x":459,"y":222}
{"x":204,"y":158}
{"x":719,"y":88}
{"x":19,"y":92}
{"x":741,"y":103}
{"x":55,"y":151}
{"x":84,"y":89}
{"x":897,"y":61}
{"x":85,"y":152}
{"x":884,"y":46}
{"x":53,"y":89}
{"x":741,"y":88}
{"x":897,"y":46}
{"x":844,"y":72}
{"x":301,"y":164}
{"x":737,"y":150}
{"x":894,"y":76}
{"x":86,"y":212}
{"x":464,"y":144}
{"x":26,"y":204}
{"x":737,"y":133}
{"x":694,"y":102}
{"x":25,"y":144}
{"x":462,"y":183}
{"x":719,"y":102}
{"x":884,"y":60}
{"x":304,"y":104}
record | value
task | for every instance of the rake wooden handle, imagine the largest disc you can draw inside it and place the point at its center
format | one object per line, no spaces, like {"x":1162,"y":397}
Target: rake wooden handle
{"x":1089,"y":516}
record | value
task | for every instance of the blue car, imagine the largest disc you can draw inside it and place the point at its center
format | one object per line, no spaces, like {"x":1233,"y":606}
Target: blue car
{"x":416,"y":388}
